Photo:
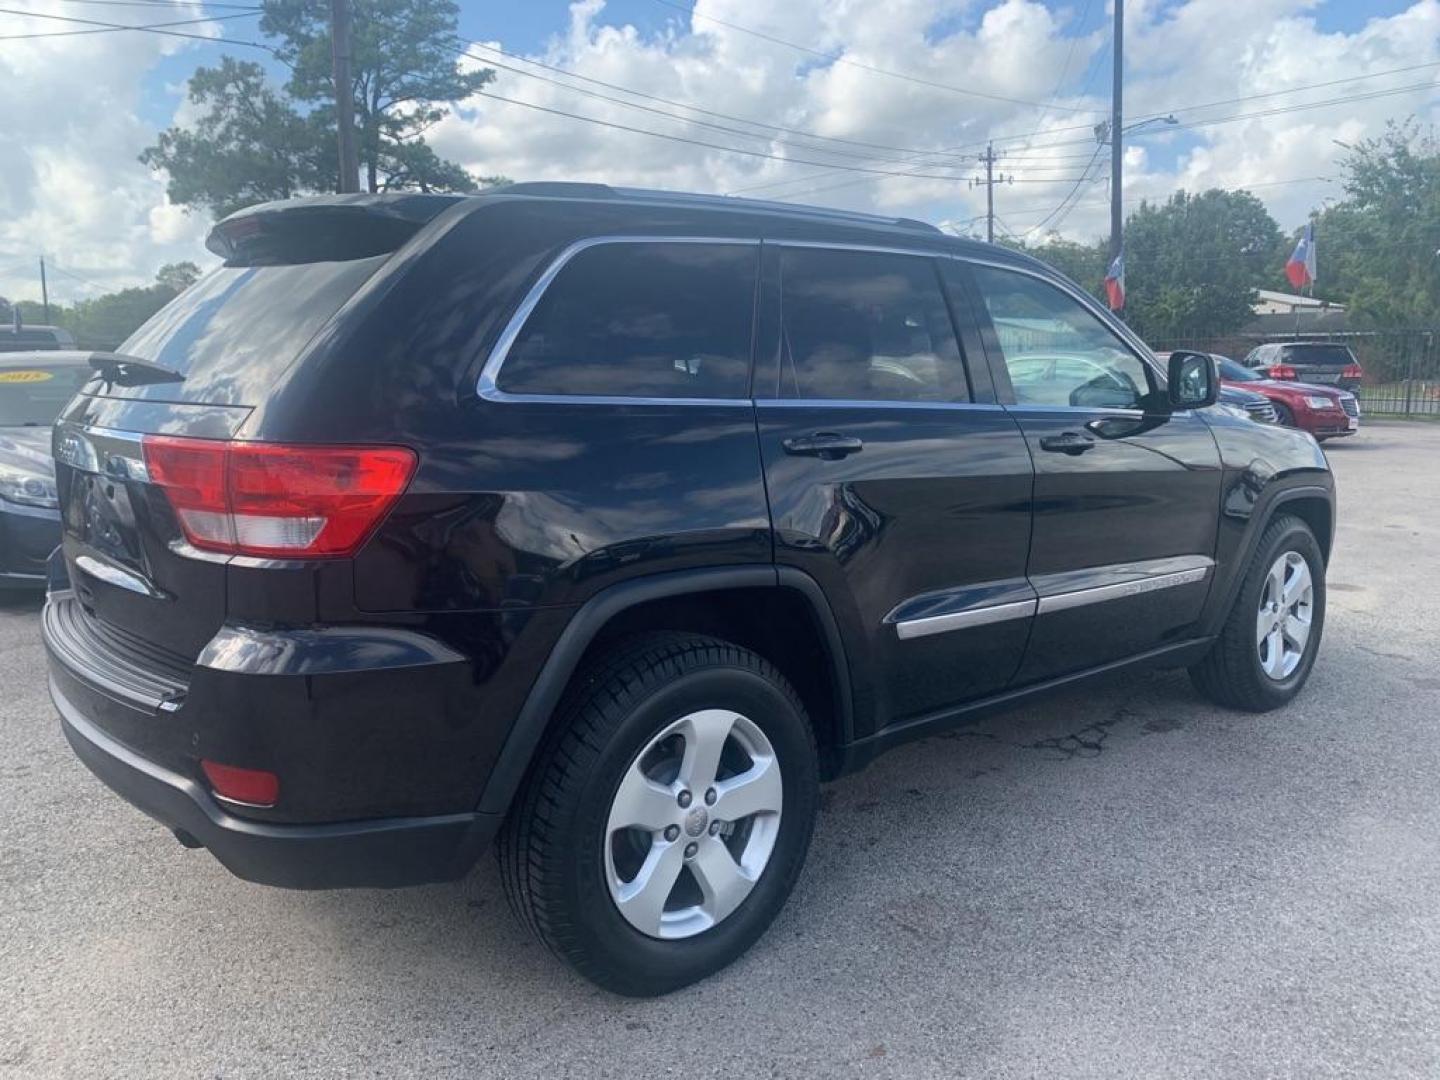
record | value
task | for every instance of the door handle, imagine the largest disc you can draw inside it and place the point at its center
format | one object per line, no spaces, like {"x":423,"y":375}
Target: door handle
{"x":826,"y":445}
{"x":1071,"y":442}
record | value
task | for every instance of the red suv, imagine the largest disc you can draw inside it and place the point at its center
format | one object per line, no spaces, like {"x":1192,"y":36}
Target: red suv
{"x":1324,"y":411}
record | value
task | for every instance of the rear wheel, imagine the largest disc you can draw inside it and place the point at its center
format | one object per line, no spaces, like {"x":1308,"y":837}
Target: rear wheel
{"x":666,"y":821}
{"x":1267,"y":647}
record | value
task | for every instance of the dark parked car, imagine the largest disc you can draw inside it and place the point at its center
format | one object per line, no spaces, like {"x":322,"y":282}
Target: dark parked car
{"x":1330,"y":363}
{"x":610,"y":523}
{"x":34,"y":387}
{"x":34,"y":338}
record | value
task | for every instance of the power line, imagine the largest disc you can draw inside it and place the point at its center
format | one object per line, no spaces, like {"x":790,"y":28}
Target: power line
{"x":1071,"y":195}
{"x":909,"y":150}
{"x":168,"y":4}
{"x":842,"y":59}
{"x":151,"y":28}
{"x":864,"y":156}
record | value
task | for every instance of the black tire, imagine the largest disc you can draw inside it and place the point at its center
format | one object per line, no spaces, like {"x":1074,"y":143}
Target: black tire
{"x":551,"y":849}
{"x":1231,"y":673}
{"x":1283,"y":416}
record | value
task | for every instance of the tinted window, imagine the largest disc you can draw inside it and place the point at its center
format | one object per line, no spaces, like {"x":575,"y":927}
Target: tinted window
{"x":237,"y":328}
{"x":33,"y":395}
{"x":1056,"y":351}
{"x":641,"y":320}
{"x":1232,"y":371}
{"x":1324,"y":355}
{"x":865,"y":326}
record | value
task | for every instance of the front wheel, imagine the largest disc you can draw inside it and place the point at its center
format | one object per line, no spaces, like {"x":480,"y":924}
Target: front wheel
{"x":1267,"y":646}
{"x":665,"y":823}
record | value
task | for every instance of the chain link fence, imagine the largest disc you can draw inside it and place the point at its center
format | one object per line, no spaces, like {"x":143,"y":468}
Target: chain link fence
{"x":1402,"y":367}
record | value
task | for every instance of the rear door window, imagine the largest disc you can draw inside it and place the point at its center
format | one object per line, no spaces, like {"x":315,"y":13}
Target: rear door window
{"x":641,"y":320}
{"x":234,"y":331}
{"x":866,"y":326}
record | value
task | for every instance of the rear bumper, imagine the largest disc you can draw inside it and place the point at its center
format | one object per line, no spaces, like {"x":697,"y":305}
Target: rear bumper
{"x":381,"y":853}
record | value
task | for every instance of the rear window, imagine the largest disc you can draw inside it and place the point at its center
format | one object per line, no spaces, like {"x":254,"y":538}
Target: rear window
{"x":658,"y":320}
{"x":33,"y":395}
{"x":234,"y":331}
{"x":1325,"y":355}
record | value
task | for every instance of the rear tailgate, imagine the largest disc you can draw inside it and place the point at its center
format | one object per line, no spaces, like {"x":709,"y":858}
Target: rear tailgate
{"x":225,"y":344}
{"x":124,"y":552}
{"x":1318,"y":363}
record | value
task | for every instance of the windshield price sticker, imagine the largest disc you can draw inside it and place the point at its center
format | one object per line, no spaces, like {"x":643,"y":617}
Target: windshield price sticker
{"x":25,"y":376}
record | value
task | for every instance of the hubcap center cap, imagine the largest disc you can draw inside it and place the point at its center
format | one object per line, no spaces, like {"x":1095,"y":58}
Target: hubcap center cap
{"x":696,"y":821}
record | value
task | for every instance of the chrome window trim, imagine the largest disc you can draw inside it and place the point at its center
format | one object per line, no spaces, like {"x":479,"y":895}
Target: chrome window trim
{"x":859,"y":403}
{"x":488,"y":385}
{"x":962,"y":620}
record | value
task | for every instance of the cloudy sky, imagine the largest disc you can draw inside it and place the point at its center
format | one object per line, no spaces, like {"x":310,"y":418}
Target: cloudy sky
{"x":877,"y":106}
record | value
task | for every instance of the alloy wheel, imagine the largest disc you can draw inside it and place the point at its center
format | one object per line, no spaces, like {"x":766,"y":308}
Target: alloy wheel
{"x":692,"y":824}
{"x":1282,"y":625}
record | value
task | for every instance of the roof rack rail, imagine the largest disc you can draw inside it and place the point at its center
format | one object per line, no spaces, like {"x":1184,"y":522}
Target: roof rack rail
{"x":585,"y":190}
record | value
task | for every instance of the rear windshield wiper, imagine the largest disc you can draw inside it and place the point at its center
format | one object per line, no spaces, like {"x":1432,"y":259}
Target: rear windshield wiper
{"x":121,"y":370}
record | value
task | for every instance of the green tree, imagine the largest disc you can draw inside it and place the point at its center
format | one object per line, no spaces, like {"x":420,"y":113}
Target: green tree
{"x":1082,"y":263}
{"x":248,"y":145}
{"x":1378,"y":246}
{"x":1192,"y":264}
{"x":254,"y":142}
{"x":405,"y":72}
{"x":177,"y":277}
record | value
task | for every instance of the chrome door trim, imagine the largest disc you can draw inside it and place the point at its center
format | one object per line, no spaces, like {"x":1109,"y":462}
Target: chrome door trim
{"x":488,"y":385}
{"x":1148,"y":576}
{"x":963,"y":620}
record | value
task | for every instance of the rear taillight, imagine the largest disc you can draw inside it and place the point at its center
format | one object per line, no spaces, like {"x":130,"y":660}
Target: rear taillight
{"x":277,"y":500}
{"x":1281,"y":371}
{"x":1352,"y":371}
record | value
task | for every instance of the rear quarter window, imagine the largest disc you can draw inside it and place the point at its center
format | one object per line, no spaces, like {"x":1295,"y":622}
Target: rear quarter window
{"x":656,"y":320}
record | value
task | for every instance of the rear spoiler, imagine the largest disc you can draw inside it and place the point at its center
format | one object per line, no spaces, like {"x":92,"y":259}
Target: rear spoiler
{"x":324,"y":228}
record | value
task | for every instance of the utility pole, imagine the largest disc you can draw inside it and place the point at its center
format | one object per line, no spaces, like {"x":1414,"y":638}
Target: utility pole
{"x":1117,"y":186}
{"x":988,"y":160}
{"x":44,"y":291}
{"x":344,"y":95}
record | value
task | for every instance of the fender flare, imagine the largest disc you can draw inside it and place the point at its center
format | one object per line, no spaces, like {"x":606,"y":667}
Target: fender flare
{"x":1271,"y":502}
{"x":590,"y":618}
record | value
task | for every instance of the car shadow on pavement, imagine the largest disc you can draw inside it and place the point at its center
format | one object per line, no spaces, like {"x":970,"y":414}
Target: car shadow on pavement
{"x":962,"y":783}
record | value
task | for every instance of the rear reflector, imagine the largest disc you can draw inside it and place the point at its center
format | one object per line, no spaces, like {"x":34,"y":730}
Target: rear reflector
{"x":1281,"y":371}
{"x":256,"y":787}
{"x":277,"y":500}
{"x":1352,"y":371}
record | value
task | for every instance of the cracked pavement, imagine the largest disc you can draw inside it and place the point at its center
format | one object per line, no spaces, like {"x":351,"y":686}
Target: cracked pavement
{"x":1118,"y":881}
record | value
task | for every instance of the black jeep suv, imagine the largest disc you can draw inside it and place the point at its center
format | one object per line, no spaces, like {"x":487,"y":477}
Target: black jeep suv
{"x":609,"y":523}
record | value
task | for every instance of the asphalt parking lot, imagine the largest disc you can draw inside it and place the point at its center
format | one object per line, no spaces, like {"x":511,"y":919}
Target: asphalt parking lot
{"x":1120,"y":882}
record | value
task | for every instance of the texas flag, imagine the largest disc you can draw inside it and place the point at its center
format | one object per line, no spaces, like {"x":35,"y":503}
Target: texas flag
{"x":1115,"y":282}
{"x":1301,"y":267}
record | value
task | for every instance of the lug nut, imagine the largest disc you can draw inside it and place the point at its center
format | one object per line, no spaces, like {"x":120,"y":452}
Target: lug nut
{"x":714,"y":828}
{"x":710,"y":797}
{"x":690,"y":850}
{"x":684,"y":799}
{"x":672,"y":832}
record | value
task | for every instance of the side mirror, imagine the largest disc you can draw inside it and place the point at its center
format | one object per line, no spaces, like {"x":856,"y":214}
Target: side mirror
{"x":1194,"y":380}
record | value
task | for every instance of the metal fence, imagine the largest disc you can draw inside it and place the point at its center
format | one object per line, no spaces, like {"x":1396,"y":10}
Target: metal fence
{"x":1402,"y":367}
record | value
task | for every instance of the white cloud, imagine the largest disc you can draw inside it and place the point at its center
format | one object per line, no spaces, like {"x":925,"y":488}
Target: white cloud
{"x":70,"y":184}
{"x":1193,"y":53}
